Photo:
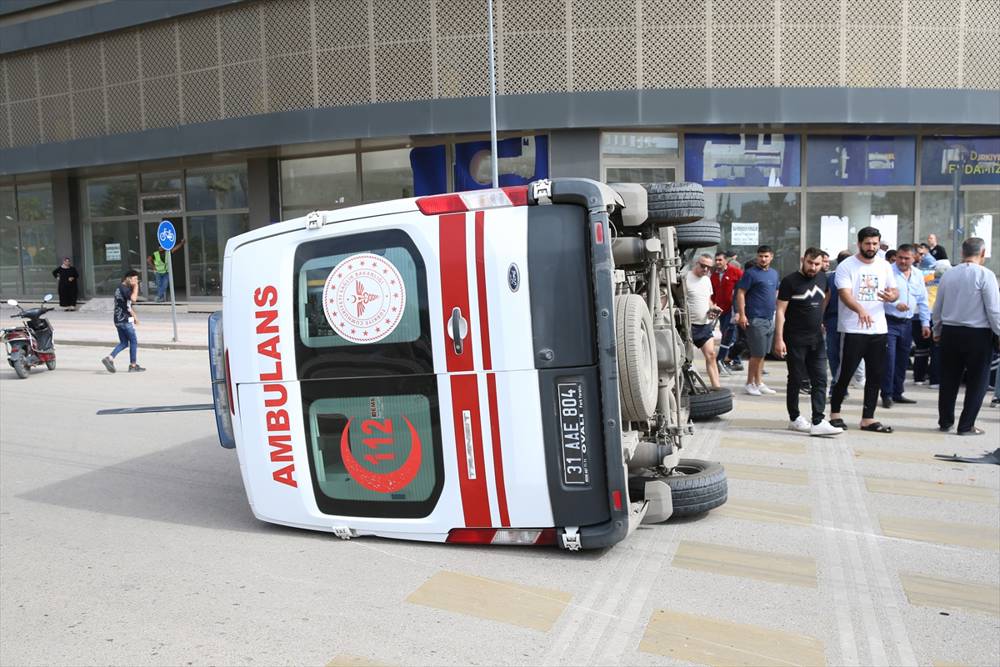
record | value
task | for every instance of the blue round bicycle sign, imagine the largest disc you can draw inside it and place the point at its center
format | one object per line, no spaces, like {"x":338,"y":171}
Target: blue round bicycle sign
{"x":166,"y":235}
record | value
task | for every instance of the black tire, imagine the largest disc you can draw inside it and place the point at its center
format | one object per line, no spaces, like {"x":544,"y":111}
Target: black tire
{"x":637,"y":368}
{"x":714,"y":403}
{"x":697,"y":487}
{"x":674,"y":203}
{"x":20,"y":368}
{"x":51,"y":365}
{"x":701,"y":234}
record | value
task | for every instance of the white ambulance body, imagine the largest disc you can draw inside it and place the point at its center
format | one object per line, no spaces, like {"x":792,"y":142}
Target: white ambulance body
{"x":443,"y":369}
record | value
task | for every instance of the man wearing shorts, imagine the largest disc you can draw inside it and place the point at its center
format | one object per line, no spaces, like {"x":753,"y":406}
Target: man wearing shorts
{"x":756,"y":297}
{"x":703,"y":312}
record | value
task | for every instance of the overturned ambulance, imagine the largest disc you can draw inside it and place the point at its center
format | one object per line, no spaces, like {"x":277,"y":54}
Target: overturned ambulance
{"x":507,"y":366}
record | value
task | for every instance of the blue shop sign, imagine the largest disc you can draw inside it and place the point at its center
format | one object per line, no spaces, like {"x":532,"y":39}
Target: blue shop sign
{"x":860,"y":160}
{"x":522,"y":160}
{"x":754,"y":160}
{"x":976,"y":158}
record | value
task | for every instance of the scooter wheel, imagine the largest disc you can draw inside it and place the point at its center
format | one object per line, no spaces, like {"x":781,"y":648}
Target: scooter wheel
{"x":21,"y":369}
{"x":51,"y":365}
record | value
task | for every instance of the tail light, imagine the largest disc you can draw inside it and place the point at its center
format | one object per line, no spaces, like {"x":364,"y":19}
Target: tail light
{"x":536,"y":536}
{"x":474,"y":200}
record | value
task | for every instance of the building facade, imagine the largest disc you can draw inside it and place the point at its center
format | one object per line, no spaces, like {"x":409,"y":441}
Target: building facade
{"x":804,"y":119}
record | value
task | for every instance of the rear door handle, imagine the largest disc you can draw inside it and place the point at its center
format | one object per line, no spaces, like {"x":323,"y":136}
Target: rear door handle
{"x":457,"y":322}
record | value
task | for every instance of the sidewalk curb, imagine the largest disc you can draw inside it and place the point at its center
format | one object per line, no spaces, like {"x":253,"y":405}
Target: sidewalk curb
{"x":142,"y":345}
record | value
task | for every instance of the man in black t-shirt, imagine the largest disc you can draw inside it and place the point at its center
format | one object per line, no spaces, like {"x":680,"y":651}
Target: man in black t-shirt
{"x":798,"y":337}
{"x":125,"y":321}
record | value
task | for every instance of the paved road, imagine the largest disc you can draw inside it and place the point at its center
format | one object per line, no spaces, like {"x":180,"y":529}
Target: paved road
{"x":127,"y":540}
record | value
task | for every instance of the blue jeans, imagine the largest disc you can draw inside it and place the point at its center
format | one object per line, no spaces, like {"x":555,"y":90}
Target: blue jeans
{"x":126,"y":338}
{"x":897,"y":356}
{"x":162,"y":282}
{"x":728,"y":330}
{"x":832,"y":346}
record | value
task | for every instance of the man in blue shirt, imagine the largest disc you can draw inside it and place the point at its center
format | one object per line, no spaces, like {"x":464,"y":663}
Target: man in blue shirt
{"x":756,"y":299}
{"x":899,"y":316}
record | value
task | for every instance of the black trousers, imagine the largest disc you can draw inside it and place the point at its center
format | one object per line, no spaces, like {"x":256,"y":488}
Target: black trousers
{"x":806,"y":360}
{"x":964,"y":350}
{"x":853,"y":348}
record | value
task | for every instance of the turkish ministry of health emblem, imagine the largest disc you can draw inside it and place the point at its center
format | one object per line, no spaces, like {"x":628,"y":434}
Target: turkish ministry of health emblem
{"x":364,"y":297}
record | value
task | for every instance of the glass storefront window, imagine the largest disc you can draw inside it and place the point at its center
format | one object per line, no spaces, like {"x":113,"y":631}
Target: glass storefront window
{"x":38,"y":257}
{"x":639,"y":144}
{"x":164,"y":181}
{"x":977,"y":159}
{"x":386,"y":175}
{"x":112,"y":249}
{"x":34,"y":202}
{"x":10,"y":261}
{"x":640,"y":175}
{"x":318,"y":183}
{"x":214,"y":188}
{"x":206,"y":246}
{"x":834,"y":218}
{"x":980,"y":217}
{"x":859,"y":160}
{"x":742,"y":160}
{"x":110,"y":197}
{"x":8,"y":211}
{"x":170,"y":203}
{"x":749,"y":219}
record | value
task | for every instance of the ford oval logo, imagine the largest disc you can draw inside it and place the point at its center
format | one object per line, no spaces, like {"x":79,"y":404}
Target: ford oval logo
{"x":513,"y":277}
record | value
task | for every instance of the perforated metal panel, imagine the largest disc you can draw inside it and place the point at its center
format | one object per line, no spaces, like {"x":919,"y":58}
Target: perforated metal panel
{"x":276,"y":55}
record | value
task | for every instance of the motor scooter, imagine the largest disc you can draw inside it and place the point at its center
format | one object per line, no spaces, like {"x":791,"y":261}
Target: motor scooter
{"x":31,"y":343}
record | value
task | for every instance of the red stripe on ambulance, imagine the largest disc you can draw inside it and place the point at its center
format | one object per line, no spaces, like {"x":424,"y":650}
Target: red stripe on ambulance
{"x":469,"y":450}
{"x":454,"y":287}
{"x":484,"y":318}
{"x":491,"y":391}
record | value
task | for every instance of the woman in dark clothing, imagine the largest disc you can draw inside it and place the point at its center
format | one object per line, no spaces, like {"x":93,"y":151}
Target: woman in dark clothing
{"x":68,"y":279}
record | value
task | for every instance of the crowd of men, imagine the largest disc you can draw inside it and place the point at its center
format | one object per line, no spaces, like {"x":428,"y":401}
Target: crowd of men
{"x":862,"y":320}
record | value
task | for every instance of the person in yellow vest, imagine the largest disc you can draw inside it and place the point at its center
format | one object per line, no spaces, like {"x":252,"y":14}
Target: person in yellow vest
{"x":158,"y":262}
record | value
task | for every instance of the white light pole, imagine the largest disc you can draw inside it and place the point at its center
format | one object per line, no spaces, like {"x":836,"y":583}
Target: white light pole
{"x":494,"y":159}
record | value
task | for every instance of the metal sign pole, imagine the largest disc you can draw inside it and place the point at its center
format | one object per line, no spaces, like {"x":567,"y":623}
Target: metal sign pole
{"x":493,"y":102}
{"x":173,"y":303}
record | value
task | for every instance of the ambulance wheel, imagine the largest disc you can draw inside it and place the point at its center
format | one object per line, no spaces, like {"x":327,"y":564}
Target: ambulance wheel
{"x":674,"y":203}
{"x":697,"y":487}
{"x":714,"y":403}
{"x":637,"y":376}
{"x":702,"y":234}
{"x":51,"y":365}
{"x":20,"y":368}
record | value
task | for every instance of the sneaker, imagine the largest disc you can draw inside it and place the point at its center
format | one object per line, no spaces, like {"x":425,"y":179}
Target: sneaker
{"x":805,"y":391}
{"x":736,"y":365}
{"x":934,"y":386}
{"x":752,"y":389}
{"x":801,"y":424}
{"x":764,"y":389}
{"x":109,"y":363}
{"x":136,"y":369}
{"x":824,"y":428}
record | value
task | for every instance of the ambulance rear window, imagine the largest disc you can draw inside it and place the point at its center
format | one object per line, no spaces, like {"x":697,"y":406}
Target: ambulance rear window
{"x":374,"y":452}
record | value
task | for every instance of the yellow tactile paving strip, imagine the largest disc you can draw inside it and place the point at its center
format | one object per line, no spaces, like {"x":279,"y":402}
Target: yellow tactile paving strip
{"x":892,"y":456}
{"x":764,"y":445}
{"x":344,"y":660}
{"x":743,"y":423}
{"x":525,"y":606}
{"x":761,"y":510}
{"x":936,"y":592}
{"x":904,"y":487}
{"x":766,"y":473}
{"x":763,"y":565}
{"x":942,"y":532}
{"x":708,"y":641}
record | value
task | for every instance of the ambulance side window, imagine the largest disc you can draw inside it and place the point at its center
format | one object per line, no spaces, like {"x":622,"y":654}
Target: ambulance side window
{"x":374,"y":448}
{"x":361,"y":307}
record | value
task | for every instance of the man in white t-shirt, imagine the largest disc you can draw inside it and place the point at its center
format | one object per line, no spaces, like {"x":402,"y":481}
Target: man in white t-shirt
{"x":864,"y":282}
{"x":703,"y":313}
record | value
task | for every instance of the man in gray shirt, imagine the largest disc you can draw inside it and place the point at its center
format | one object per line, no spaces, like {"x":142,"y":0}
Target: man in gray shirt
{"x":966,"y":317}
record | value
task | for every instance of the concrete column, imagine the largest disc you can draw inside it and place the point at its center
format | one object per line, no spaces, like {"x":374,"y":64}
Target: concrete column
{"x":264,"y":184}
{"x":575,"y":153}
{"x":63,"y":216}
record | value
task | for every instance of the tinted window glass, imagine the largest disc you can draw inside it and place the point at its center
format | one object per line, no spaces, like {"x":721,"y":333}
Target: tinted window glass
{"x":759,"y":160}
{"x":374,"y":446}
{"x":977,"y":159}
{"x":839,"y":160}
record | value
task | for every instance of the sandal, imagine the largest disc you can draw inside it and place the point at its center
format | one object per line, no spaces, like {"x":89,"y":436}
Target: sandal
{"x":877,"y":427}
{"x":973,"y":431}
{"x":839,"y":423}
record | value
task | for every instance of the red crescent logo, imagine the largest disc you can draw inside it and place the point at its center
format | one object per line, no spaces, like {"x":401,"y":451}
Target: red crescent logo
{"x":382,"y":482}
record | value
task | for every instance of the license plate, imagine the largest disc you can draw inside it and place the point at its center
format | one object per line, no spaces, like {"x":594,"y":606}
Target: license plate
{"x":573,"y":432}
